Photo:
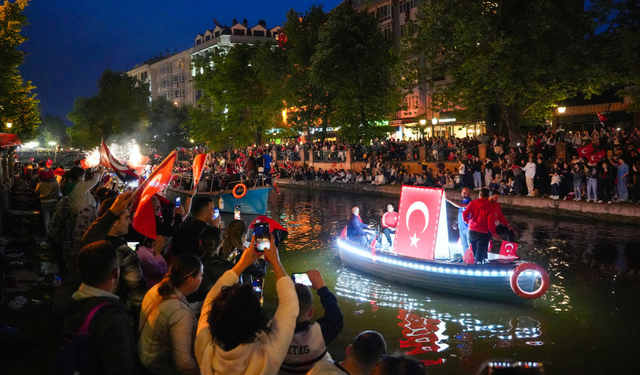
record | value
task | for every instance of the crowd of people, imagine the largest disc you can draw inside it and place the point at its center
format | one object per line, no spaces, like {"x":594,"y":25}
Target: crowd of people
{"x":188,"y":301}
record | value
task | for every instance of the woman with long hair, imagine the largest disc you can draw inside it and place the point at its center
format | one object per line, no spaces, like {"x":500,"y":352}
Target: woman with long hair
{"x":235,"y":335}
{"x":168,"y":323}
{"x":232,"y":247}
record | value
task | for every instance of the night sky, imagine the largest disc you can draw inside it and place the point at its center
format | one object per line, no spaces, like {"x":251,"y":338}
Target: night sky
{"x":72,"y":41}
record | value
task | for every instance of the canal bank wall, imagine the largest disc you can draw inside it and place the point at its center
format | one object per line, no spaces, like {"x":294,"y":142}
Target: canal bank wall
{"x":611,"y":213}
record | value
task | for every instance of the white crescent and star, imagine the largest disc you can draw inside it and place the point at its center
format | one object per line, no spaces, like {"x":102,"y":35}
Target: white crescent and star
{"x":419,"y":206}
{"x":508,"y":247}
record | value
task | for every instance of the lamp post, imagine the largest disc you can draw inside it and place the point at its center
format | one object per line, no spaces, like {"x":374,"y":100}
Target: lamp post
{"x":9,"y":125}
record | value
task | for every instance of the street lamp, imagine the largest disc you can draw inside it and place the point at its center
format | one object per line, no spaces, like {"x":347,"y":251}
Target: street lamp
{"x":561,"y":110}
{"x":423,"y":122}
{"x":434,"y":121}
{"x":192,"y":141}
{"x":9,"y":125}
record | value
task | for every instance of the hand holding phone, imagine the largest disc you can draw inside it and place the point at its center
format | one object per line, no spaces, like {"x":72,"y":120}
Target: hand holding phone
{"x":216,"y":213}
{"x":262,"y":236}
{"x":301,"y":278}
{"x":236,"y":213}
{"x":177,"y":202}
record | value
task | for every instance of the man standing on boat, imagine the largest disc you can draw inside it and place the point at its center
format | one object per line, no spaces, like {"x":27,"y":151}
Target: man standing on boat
{"x":355,"y":227}
{"x":462,"y":226}
{"x":389,"y":223}
{"x":480,"y":214}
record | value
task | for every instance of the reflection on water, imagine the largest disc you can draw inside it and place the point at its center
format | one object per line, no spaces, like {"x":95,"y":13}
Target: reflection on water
{"x":590,"y":308}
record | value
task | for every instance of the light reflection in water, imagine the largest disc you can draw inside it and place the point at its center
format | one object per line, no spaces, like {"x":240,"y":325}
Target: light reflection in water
{"x":425,"y":330}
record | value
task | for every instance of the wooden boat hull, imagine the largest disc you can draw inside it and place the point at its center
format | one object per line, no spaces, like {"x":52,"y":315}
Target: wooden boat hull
{"x":488,"y":281}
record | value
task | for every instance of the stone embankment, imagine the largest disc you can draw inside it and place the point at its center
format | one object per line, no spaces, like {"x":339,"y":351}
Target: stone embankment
{"x":612,"y":213}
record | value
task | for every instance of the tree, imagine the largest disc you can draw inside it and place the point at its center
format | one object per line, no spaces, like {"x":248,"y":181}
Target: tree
{"x":515,"y":58}
{"x":167,"y":128}
{"x":52,"y":130}
{"x":120,"y":108}
{"x":309,"y":104}
{"x":17,"y":105}
{"x":356,"y":65}
{"x":243,"y":97}
{"x":618,"y":44}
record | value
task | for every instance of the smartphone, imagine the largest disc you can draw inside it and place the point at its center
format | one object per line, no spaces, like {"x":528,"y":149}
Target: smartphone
{"x":133,"y":245}
{"x":301,"y":278}
{"x":216,"y":213}
{"x":177,"y":202}
{"x":258,"y":289}
{"x":263,"y":236}
{"x":236,"y":213}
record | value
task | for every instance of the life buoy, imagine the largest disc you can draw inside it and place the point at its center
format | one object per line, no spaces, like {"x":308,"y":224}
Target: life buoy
{"x":235,"y":191}
{"x":544,"y":286}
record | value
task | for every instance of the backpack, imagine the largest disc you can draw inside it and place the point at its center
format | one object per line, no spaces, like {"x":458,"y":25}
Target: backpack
{"x":77,"y":357}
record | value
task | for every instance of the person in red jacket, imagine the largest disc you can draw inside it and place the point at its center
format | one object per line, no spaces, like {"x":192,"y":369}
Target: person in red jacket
{"x":481,"y":217}
{"x":389,"y":223}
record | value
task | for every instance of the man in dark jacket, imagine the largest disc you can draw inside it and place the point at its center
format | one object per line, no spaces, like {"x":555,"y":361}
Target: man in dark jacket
{"x":110,"y":330}
{"x":355,"y":227}
{"x":186,"y":239}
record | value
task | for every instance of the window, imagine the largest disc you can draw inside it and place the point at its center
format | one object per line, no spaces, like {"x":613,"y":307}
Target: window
{"x":179,"y":65}
{"x":164,"y":82}
{"x":178,"y":93}
{"x":143,"y":76}
{"x":401,"y":30}
{"x":166,"y":95}
{"x":178,"y":78}
{"x":198,"y":94}
{"x":407,"y":5}
{"x":198,"y":41}
{"x":217,"y":34}
{"x":258,"y":33}
{"x":164,"y":69}
{"x":387,"y":30}
{"x":238,"y":32}
{"x":208,"y":37}
{"x":384,"y":13}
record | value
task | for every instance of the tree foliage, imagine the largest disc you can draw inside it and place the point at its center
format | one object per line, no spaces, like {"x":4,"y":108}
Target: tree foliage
{"x":517,"y":58}
{"x":18,"y":105}
{"x":617,"y":44}
{"x":167,"y":129}
{"x":52,"y":129}
{"x":243,"y":95}
{"x":356,"y":65}
{"x":121,"y":107}
{"x":309,"y":104}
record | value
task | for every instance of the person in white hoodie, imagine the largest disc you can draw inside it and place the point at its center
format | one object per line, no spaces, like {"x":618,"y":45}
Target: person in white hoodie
{"x":234,"y":334}
{"x":530,"y":174}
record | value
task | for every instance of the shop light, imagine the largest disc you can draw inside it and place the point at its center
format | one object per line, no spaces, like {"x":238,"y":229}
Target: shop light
{"x":561,"y":110}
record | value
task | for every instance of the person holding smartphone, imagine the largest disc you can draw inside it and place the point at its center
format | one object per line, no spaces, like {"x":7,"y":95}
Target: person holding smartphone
{"x":235,"y":335}
{"x":310,"y":339}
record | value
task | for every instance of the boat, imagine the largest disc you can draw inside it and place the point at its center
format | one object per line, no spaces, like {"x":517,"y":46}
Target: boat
{"x":430,"y":266}
{"x":251,"y":196}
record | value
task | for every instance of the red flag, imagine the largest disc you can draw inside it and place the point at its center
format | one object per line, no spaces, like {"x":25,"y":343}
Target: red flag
{"x":601,"y":117}
{"x":468,"y":256}
{"x":585,"y":151}
{"x":198,"y":168}
{"x":418,"y":218}
{"x":83,"y":164}
{"x":59,"y":171}
{"x":49,"y":163}
{"x":144,"y":220}
{"x":508,"y":249}
{"x":7,"y":139}
{"x":107,"y":160}
{"x":594,"y":158}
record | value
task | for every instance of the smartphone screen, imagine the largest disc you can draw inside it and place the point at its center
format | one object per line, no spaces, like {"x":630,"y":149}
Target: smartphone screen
{"x":177,"y":202}
{"x":133,"y":245}
{"x":236,"y":212}
{"x":216,"y":212}
{"x":301,"y":278}
{"x":263,"y":236}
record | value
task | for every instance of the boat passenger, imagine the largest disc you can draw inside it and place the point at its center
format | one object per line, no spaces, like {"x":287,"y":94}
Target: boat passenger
{"x":502,"y":225}
{"x":355,"y":227}
{"x":389,"y":223}
{"x":462,"y":226}
{"x":480,"y":215}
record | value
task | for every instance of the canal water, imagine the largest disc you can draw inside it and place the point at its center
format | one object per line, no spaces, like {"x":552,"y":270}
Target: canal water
{"x":587,"y":323}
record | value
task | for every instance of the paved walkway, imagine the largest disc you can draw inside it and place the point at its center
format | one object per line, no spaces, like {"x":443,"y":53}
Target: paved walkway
{"x":623,"y":212}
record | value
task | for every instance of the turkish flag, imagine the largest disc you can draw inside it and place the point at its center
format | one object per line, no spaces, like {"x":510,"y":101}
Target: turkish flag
{"x":468,"y":256}
{"x":49,"y":163}
{"x":198,"y":167}
{"x":59,"y":171}
{"x":508,"y":249}
{"x":107,"y":160}
{"x":585,"y":151}
{"x":601,"y":117}
{"x":144,"y":220}
{"x":594,"y":158}
{"x":418,"y":218}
